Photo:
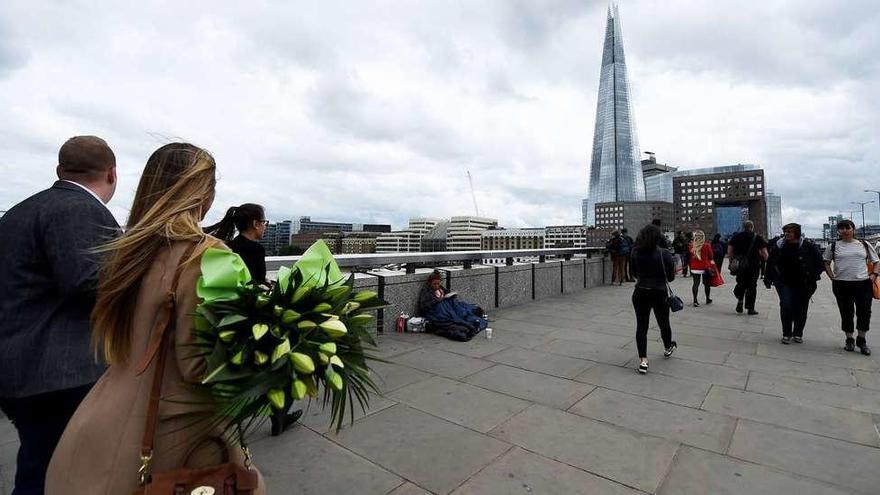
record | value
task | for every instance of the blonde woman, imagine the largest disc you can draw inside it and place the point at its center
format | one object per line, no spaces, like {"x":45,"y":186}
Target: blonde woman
{"x":99,"y":452}
{"x":702,"y":265}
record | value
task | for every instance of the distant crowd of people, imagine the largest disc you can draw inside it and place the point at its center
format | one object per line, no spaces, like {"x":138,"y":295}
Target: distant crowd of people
{"x":790,"y":263}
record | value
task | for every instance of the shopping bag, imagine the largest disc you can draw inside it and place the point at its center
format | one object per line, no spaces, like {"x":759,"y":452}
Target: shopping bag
{"x":717,"y":280}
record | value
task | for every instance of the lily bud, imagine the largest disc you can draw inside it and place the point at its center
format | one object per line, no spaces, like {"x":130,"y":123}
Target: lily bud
{"x":302,"y":363}
{"x":227,"y":335}
{"x":336,"y":361}
{"x":260,"y":358}
{"x":334,"y":328}
{"x":364,"y":296}
{"x":262,"y":300}
{"x":298,"y":389}
{"x":259,"y":329}
{"x":281,"y":350}
{"x":328,"y":348}
{"x":299,"y":294}
{"x":276,"y":397}
{"x":321,"y":307}
{"x":289,"y":316}
{"x":361,"y":319}
{"x":334,"y":379}
{"x":306,"y":325}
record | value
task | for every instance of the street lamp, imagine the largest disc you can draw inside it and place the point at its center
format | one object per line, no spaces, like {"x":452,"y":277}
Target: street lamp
{"x":862,"y":204}
{"x":878,"y":196}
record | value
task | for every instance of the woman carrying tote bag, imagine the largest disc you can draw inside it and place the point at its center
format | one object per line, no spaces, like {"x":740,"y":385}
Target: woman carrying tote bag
{"x":654,"y":268}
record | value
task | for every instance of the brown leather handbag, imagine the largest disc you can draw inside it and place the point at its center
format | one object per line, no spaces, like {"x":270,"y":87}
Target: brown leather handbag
{"x":226,"y":478}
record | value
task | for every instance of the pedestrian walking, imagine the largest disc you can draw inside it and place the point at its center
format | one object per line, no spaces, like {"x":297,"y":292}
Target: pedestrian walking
{"x":794,"y":266}
{"x":746,"y":250}
{"x":702,"y":265}
{"x":616,"y":247}
{"x":852,"y":265}
{"x":47,"y":288}
{"x":654,"y":270}
{"x":249,"y":220}
{"x":680,"y":248}
{"x":719,"y":250}
{"x":624,"y":233}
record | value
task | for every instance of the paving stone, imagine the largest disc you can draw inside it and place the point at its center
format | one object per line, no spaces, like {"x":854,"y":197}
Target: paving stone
{"x":528,"y":385}
{"x":716,"y":343}
{"x":301,"y":461}
{"x":523,"y":326}
{"x":653,"y":385}
{"x":520,"y":471}
{"x":431,"y":452}
{"x":655,"y":350}
{"x":582,"y":350}
{"x":842,"y":424}
{"x":709,"y":329}
{"x":784,"y":367}
{"x":461,"y":403}
{"x":389,"y":347}
{"x":602,"y":339}
{"x":442,"y":363}
{"x":409,"y":489}
{"x":867,"y":379}
{"x":834,"y":461}
{"x":621,"y":455}
{"x":317,"y":417}
{"x":700,"y":472}
{"x":8,"y":433}
{"x":711,"y":373}
{"x":477,"y":347}
{"x":859,"y":399}
{"x":686,"y":425}
{"x":542,"y":362}
{"x":835,"y":356}
{"x":390,"y":376}
{"x":518,"y":339}
{"x":8,"y":454}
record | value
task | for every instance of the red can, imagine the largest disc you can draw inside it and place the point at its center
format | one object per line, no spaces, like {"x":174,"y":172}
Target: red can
{"x":401,"y":323}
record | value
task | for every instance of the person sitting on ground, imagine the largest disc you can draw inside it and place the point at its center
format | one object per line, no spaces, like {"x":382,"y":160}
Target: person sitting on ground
{"x":250,"y":221}
{"x":447,"y":315}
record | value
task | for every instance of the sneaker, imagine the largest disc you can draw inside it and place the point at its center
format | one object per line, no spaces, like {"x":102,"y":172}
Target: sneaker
{"x":850,"y":345}
{"x":739,"y":306}
{"x":696,"y":304}
{"x":752,"y":312}
{"x":708,"y":302}
{"x":278,"y":427}
{"x":798,"y":340}
{"x":643,"y":368}
{"x":669,"y":350}
{"x":863,"y":346}
{"x":786,"y":340}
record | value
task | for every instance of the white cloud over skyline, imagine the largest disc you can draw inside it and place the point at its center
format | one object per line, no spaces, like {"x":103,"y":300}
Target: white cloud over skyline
{"x":373,"y":111}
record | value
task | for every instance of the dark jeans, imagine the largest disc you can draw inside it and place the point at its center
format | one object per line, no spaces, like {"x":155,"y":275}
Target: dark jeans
{"x":705,"y":277}
{"x":645,"y":300}
{"x":747,"y":287}
{"x":40,"y":421}
{"x":794,"y":301}
{"x":853,"y":295}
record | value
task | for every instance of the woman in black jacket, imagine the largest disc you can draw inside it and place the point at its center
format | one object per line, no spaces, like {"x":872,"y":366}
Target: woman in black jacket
{"x":653,"y":268}
{"x":249,"y":220}
{"x":794,"y":266}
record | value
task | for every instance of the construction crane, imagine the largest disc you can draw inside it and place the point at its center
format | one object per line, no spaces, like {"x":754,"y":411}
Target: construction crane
{"x":473,"y":194}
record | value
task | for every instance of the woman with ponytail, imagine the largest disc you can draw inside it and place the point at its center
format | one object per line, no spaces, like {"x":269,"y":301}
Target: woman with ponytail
{"x":100,"y":450}
{"x":702,"y":265}
{"x":249,"y":220}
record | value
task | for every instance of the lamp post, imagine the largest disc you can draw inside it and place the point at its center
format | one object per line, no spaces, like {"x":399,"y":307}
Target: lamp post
{"x":862,"y":204}
{"x":878,"y":196}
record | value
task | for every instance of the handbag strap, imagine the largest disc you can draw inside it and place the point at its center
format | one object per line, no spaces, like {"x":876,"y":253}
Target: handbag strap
{"x":663,"y":265}
{"x":159,"y":350}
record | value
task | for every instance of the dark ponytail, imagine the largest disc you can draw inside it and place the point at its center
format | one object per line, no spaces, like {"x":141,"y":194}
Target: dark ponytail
{"x":238,"y":218}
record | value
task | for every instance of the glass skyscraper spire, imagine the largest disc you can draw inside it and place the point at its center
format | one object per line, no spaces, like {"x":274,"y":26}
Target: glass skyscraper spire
{"x":615,"y":169}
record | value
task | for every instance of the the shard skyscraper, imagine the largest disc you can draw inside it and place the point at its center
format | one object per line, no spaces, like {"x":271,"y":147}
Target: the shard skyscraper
{"x":615,"y":170}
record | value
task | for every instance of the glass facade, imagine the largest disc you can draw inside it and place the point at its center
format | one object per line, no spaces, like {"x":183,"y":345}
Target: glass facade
{"x":615,"y":168}
{"x":659,"y":187}
{"x":774,"y":214}
{"x":729,"y":219}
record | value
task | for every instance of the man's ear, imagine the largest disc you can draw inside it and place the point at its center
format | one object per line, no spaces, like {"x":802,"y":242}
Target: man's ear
{"x":58,"y":171}
{"x":111,"y":175}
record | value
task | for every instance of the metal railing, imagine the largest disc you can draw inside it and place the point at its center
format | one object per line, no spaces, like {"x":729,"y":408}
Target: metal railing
{"x":410,"y":261}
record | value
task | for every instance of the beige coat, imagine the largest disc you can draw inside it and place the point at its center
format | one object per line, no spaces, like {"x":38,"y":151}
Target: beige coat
{"x":99,"y":452}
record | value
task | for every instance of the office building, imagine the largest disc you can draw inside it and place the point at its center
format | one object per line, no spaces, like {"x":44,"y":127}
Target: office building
{"x":503,"y":239}
{"x":434,"y":240}
{"x":565,"y":236}
{"x":774,"y":214}
{"x":306,"y":224}
{"x":632,"y":215}
{"x":463,"y":233}
{"x":408,"y":240}
{"x":719,"y":199}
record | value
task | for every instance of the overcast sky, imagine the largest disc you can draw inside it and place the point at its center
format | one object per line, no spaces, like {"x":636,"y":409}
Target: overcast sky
{"x":372,"y":111}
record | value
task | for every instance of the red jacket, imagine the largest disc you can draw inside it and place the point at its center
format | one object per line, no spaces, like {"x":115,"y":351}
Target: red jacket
{"x":706,"y":254}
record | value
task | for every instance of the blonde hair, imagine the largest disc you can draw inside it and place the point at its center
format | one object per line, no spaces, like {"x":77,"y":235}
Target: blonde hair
{"x":176,"y":186}
{"x":699,"y":240}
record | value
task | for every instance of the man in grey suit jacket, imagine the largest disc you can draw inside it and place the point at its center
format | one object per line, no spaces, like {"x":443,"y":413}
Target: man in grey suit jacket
{"x":48,"y":277}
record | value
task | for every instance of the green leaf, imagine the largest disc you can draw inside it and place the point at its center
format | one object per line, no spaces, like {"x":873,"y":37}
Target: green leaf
{"x":231,"y":319}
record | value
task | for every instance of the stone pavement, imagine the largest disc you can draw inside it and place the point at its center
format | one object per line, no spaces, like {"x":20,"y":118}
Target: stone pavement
{"x":553,"y":404}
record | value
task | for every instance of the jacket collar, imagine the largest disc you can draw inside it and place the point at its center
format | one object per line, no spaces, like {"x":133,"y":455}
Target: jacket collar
{"x":73,"y":186}
{"x":781,"y":242}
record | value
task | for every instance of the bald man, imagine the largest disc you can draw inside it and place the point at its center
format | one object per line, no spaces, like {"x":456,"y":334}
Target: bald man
{"x":47,"y":289}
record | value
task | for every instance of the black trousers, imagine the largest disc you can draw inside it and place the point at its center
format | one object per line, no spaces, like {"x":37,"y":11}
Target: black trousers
{"x":40,"y":420}
{"x":854,"y":298}
{"x":747,"y":287}
{"x":794,"y":302}
{"x":644,"y":301}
